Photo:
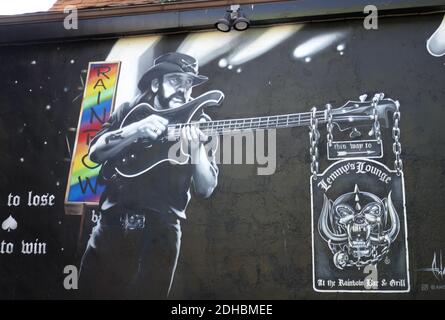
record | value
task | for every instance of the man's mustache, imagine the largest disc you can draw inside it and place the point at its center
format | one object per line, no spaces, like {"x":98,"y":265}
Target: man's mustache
{"x":177,"y":96}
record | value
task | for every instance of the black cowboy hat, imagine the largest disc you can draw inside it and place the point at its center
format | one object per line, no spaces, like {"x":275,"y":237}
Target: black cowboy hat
{"x":171,"y":63}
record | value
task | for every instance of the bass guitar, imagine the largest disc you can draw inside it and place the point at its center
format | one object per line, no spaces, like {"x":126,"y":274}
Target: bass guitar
{"x":151,"y":153}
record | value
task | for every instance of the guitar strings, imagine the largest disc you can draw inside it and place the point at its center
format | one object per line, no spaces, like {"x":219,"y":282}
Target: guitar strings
{"x":235,"y":125}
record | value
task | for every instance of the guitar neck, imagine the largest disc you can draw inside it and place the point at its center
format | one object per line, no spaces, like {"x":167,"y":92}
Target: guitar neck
{"x":231,"y":126}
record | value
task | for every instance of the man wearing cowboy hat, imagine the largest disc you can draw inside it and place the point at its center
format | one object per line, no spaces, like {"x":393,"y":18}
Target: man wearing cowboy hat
{"x":133,"y":249}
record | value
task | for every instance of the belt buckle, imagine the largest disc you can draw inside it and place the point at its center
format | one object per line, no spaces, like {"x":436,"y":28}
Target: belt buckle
{"x":133,"y":221}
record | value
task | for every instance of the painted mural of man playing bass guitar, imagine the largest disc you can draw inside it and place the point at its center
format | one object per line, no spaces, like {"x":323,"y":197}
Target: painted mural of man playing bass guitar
{"x":134,"y":248}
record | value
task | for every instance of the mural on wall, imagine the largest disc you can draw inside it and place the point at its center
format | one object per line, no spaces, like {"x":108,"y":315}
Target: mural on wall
{"x":202,"y":164}
{"x":146,"y":182}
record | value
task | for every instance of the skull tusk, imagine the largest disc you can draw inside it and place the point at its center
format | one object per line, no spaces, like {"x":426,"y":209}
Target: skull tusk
{"x":323,"y":226}
{"x":395,"y":222}
{"x":392,"y":233}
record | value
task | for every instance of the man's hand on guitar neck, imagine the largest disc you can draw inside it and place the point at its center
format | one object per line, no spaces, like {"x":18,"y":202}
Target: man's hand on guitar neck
{"x":204,"y":174}
{"x":192,"y":139}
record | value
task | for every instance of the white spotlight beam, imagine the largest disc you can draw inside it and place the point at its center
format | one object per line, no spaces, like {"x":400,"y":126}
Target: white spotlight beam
{"x":259,"y":41}
{"x":206,"y":46}
{"x":318,"y":43}
{"x":133,"y":53}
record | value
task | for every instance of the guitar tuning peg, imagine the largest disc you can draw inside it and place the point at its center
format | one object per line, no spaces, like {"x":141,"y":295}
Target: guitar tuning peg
{"x":355,"y":133}
{"x":363,"y":97}
{"x":378,"y":97}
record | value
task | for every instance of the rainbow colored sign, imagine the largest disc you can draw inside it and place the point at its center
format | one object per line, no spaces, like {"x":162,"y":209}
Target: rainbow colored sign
{"x":97,"y":105}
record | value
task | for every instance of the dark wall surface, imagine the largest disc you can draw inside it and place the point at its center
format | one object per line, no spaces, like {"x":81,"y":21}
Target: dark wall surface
{"x":252,"y":238}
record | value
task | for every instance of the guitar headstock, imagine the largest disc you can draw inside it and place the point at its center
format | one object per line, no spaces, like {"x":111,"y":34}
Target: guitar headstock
{"x":361,"y":113}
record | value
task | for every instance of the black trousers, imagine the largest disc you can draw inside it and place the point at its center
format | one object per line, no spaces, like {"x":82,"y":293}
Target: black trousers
{"x":120,"y":263}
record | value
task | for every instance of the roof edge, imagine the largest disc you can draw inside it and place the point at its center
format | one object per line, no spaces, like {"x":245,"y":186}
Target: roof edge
{"x":112,"y":11}
{"x":119,"y":22}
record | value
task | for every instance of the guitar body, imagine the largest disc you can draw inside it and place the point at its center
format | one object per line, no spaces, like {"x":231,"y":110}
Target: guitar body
{"x":146,"y":155}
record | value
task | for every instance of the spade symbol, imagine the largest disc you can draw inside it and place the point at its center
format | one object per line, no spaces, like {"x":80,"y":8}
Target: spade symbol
{"x":9,"y":224}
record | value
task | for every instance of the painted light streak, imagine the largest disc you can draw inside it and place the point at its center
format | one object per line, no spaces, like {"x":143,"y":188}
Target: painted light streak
{"x":136,"y":56}
{"x":207,"y":46}
{"x":317,"y":44}
{"x":258,"y":42}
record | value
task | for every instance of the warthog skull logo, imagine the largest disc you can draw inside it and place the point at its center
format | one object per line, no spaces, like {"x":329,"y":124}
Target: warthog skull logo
{"x":359,"y":227}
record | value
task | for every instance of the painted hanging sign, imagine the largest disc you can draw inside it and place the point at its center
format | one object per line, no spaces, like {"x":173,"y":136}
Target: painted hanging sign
{"x":97,"y":105}
{"x":359,"y":236}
